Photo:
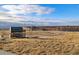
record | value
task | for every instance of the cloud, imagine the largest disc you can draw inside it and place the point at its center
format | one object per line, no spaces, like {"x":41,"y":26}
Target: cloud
{"x":31,"y":14}
{"x":18,"y":13}
{"x":25,"y":9}
{"x":44,"y":20}
{"x":4,"y":17}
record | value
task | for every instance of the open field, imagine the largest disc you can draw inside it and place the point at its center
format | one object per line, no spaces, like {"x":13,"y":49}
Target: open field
{"x":44,"y":43}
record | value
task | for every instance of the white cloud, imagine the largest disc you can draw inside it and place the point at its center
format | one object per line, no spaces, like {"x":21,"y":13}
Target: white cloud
{"x":24,"y":9}
{"x":45,"y":20}
{"x":13,"y":10}
{"x":4,"y":17}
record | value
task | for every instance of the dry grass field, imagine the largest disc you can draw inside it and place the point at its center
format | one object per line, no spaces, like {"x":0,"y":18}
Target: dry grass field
{"x":44,"y":43}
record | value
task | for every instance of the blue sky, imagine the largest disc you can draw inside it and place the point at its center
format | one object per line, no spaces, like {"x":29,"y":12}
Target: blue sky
{"x":40,"y":14}
{"x":64,"y":11}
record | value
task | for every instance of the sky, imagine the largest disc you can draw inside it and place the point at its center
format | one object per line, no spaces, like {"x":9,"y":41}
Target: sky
{"x":39,"y":14}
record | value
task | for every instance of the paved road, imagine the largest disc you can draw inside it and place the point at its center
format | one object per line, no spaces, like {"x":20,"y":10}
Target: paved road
{"x":5,"y":53}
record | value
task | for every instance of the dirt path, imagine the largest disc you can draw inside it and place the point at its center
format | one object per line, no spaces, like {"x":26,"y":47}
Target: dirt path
{"x":5,"y":53}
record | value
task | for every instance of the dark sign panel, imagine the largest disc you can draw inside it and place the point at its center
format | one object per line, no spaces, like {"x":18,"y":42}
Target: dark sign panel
{"x":17,"y":32}
{"x":16,"y":29}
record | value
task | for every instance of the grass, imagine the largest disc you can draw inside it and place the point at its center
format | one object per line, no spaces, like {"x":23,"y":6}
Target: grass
{"x":60,"y":43}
